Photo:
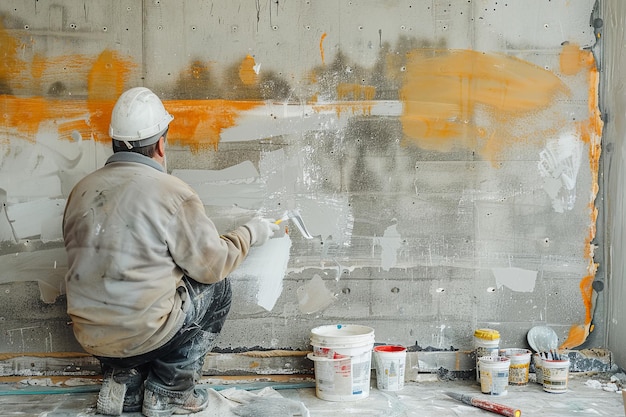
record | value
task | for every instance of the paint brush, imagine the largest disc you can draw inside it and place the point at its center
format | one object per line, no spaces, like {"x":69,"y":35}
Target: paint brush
{"x":503,"y":410}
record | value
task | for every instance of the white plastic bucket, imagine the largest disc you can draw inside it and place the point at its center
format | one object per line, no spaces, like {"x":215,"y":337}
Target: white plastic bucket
{"x":486,"y":343}
{"x":342,"y":356}
{"x":389,"y":361}
{"x":494,"y":374}
{"x":520,"y":365}
{"x":555,"y":374}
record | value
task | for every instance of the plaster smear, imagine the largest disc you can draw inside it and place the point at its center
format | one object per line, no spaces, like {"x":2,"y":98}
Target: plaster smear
{"x":516,"y":279}
{"x":390,"y":243}
{"x":265,"y":267}
{"x":314,"y":296}
{"x":327,"y":216}
{"x":559,"y":164}
{"x":31,"y":218}
{"x":46,"y":267}
{"x":236,"y":185}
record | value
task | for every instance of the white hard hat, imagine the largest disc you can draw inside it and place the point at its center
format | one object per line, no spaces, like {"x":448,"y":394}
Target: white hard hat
{"x":138,"y":118}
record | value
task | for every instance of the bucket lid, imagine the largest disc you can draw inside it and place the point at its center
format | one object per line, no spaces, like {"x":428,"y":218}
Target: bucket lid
{"x":487,"y":334}
{"x":389,"y":348}
{"x":342,"y":335}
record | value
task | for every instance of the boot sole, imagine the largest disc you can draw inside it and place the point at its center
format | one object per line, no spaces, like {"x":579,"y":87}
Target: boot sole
{"x":111,"y":398}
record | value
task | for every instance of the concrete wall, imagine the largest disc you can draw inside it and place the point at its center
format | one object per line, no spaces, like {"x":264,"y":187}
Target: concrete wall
{"x":444,"y":154}
{"x":614,"y":102}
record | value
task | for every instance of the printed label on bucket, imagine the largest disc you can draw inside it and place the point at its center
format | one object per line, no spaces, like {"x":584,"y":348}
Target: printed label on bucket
{"x":390,"y":361}
{"x":518,"y":374}
{"x":494,"y":382}
{"x":484,"y":351}
{"x":494,"y":375}
{"x":555,"y":374}
{"x":342,"y":379}
{"x":328,"y":353}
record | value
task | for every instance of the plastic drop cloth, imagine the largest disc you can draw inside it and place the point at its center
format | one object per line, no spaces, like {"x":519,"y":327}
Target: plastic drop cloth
{"x":241,"y":403}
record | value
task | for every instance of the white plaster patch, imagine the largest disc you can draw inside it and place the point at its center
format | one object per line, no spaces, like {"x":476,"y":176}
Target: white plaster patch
{"x":267,"y":266}
{"x":390,"y":243}
{"x":314,"y":296}
{"x":29,"y":219}
{"x":46,"y":267}
{"x":236,"y":185}
{"x":276,"y":119}
{"x":559,"y":164}
{"x":516,"y":279}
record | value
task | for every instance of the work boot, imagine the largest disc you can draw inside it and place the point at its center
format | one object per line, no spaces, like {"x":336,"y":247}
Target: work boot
{"x":162,"y":405}
{"x":121,"y":391}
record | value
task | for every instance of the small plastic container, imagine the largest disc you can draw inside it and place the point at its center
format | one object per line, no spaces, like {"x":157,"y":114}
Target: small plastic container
{"x":494,"y":374}
{"x":555,"y":375}
{"x":520,"y":365}
{"x":389,"y":361}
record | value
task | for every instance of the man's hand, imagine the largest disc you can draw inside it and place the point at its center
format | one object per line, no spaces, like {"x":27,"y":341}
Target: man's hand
{"x":261,"y":230}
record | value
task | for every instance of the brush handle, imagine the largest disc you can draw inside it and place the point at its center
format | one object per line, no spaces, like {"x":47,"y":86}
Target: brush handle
{"x":501,"y":409}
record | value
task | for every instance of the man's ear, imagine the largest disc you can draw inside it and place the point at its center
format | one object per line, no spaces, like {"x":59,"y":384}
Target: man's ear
{"x":161,"y":146}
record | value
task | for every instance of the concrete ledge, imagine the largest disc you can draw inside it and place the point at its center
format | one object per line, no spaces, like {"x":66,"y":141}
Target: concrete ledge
{"x":445,"y":365}
{"x":48,"y":364}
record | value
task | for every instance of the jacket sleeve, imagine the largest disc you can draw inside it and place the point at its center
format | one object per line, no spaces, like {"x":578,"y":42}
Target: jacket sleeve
{"x":197,"y":247}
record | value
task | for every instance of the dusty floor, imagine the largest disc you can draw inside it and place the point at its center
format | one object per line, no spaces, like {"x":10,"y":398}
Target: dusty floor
{"x":587,"y":395}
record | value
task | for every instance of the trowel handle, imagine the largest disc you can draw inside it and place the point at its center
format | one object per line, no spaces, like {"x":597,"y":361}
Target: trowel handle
{"x":282,"y":219}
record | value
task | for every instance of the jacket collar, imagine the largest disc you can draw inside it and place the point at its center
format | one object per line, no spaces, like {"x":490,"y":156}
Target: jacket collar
{"x":134,"y":157}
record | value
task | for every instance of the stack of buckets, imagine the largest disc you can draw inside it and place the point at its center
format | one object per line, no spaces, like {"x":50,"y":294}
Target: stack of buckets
{"x":496,"y":369}
{"x":342,"y":355}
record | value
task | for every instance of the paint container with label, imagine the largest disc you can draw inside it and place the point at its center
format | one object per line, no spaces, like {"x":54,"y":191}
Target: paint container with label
{"x":494,"y":374}
{"x":389,"y":361}
{"x":538,"y":363}
{"x":555,"y":374}
{"x":520,"y":365}
{"x":486,"y":343}
{"x":342,"y":357}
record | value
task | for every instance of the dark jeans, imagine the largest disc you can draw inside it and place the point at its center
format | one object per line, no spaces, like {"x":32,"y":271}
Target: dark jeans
{"x":175,"y":368}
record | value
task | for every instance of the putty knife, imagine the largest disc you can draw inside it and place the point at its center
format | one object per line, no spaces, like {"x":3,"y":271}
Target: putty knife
{"x":294,"y":215}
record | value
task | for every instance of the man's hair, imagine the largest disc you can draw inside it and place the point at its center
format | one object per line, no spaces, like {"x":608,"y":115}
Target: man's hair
{"x":148,"y":150}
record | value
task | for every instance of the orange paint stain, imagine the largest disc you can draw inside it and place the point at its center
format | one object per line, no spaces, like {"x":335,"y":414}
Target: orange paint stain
{"x":81,"y":126}
{"x":247,"y":74}
{"x":46,"y":70}
{"x":444,"y":92}
{"x":26,"y":116}
{"x":9,"y":51}
{"x":322,"y":46}
{"x":574,"y":60}
{"x":105,"y":83}
{"x":198,"y":123}
{"x":346,"y":91}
